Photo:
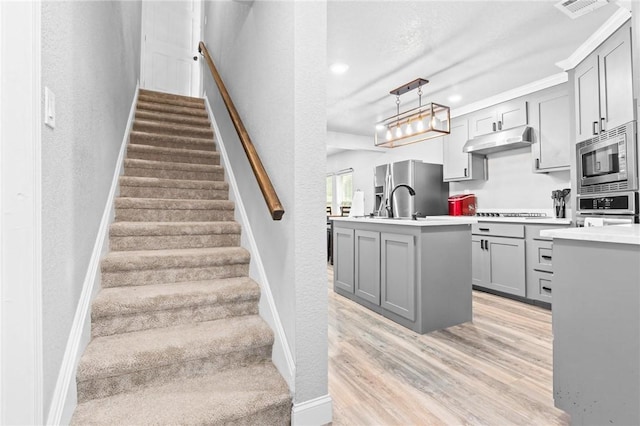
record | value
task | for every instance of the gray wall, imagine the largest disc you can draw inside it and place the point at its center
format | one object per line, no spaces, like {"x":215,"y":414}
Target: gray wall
{"x":90,"y":60}
{"x":272,"y":58}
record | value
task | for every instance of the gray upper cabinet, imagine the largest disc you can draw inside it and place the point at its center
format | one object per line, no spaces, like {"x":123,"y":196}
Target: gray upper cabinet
{"x":603,"y":85}
{"x":457,"y":164}
{"x":367,"y":265}
{"x":506,"y":115}
{"x":549,"y":119}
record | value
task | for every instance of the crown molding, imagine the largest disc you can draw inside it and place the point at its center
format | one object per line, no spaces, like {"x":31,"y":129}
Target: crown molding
{"x":616,"y":20}
{"x":552,"y":80}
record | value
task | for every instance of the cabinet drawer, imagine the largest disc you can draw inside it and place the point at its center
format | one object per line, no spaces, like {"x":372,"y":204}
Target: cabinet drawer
{"x":543,"y":255}
{"x":543,"y":285}
{"x":498,"y":229}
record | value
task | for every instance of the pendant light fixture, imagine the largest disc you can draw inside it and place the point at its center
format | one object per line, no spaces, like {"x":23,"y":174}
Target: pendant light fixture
{"x":418,"y":124}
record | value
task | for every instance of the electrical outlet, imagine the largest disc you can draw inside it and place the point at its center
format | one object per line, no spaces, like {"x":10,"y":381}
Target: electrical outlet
{"x":49,"y":108}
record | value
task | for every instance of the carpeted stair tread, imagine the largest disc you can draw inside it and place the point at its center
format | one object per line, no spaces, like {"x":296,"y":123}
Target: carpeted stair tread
{"x":164,"y":95}
{"x":167,"y":165}
{"x":129,"y":300}
{"x":173,"y":109}
{"x":173,"y":235}
{"x":172,"y":183}
{"x":127,"y":229}
{"x":124,"y":353}
{"x":119,"y":261}
{"x":172,"y":141}
{"x":172,"y":129}
{"x":254,"y":394}
{"x":172,"y":102}
{"x":172,"y":204}
{"x":158,"y":153}
{"x":168,"y":117}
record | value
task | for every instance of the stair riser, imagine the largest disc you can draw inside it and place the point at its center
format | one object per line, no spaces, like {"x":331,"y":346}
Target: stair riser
{"x":171,"y":101}
{"x":101,"y":388}
{"x":217,"y":175}
{"x":164,"y":95}
{"x":159,"y":107}
{"x":194,"y":132}
{"x":277,"y":415}
{"x":161,"y":276}
{"x":173,"y":193}
{"x":173,"y":242}
{"x":167,"y":318}
{"x":165,"y":117}
{"x":169,"y":157}
{"x":170,"y":142}
{"x":165,"y":215}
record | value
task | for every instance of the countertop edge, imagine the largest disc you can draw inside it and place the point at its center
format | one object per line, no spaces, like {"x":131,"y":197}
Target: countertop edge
{"x":421,"y":222}
{"x":616,"y":234}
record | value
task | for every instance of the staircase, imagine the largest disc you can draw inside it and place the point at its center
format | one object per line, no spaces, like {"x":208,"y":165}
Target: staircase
{"x":176,"y":336}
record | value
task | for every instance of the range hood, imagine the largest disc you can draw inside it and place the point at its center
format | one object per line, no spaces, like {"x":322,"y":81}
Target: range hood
{"x":517,"y":137}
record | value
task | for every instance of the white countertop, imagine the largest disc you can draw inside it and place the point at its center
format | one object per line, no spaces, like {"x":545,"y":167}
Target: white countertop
{"x":545,"y":220}
{"x":620,"y":234}
{"x":421,"y":221}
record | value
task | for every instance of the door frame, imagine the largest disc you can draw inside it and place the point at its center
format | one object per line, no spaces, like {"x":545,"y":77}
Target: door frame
{"x":198,"y":92}
{"x":21,"y":368}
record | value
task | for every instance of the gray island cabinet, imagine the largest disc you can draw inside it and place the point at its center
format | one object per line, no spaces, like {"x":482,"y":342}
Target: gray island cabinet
{"x":596,"y":323}
{"x":414,"y":272}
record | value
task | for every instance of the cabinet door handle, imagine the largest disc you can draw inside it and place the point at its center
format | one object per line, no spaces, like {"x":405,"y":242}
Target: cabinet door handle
{"x":595,"y":131}
{"x":547,"y":289}
{"x":484,"y":229}
{"x":499,"y":125}
{"x":494,"y":126}
{"x":486,"y":245}
{"x":546,"y":257}
{"x":465,"y":172}
{"x":537,"y":163}
{"x":602,"y":124}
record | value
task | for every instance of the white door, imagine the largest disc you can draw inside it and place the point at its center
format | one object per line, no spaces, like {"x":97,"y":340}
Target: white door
{"x":170,"y":37}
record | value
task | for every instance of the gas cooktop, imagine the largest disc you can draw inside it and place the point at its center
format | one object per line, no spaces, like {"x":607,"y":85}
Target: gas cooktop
{"x":498,"y":214}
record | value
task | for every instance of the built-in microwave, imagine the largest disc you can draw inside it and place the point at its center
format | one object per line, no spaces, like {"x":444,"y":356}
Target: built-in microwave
{"x":607,"y":162}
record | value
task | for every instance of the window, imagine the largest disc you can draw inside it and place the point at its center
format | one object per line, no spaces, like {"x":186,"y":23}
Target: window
{"x":339,"y":190}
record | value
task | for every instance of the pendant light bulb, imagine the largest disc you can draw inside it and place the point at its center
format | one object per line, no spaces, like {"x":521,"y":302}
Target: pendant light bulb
{"x":408,"y":130}
{"x":398,"y":132}
{"x":420,"y":125}
{"x":388,"y":135}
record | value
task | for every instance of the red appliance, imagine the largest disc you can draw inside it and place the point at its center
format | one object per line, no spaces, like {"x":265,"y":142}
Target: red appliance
{"x":462,"y":205}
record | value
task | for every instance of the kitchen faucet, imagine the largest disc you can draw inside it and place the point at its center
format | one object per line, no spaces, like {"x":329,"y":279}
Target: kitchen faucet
{"x":390,"y":207}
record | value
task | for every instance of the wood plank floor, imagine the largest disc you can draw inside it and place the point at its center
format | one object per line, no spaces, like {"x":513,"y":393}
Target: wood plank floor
{"x":496,"y":370}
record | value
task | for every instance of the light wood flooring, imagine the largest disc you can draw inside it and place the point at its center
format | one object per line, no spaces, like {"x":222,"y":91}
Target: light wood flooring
{"x":496,"y":370}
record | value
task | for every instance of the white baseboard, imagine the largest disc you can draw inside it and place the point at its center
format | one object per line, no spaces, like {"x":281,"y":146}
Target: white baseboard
{"x":315,"y":412}
{"x":281,"y":355}
{"x":64,"y":399}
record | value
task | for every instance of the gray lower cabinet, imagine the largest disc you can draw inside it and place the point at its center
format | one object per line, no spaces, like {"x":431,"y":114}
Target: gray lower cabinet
{"x":367,"y":266}
{"x":398,"y":274}
{"x":343,"y":250}
{"x":498,"y":259}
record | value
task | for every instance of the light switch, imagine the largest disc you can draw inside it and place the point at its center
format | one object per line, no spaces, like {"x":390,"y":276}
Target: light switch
{"x":49,"y":108}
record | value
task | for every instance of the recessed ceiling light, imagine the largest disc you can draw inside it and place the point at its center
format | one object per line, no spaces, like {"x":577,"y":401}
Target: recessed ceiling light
{"x":339,"y":68}
{"x":454,"y":98}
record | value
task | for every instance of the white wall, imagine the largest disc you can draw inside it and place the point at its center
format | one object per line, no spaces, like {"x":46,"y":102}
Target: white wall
{"x":90,"y":60}
{"x":511,"y":183}
{"x":272,"y":58}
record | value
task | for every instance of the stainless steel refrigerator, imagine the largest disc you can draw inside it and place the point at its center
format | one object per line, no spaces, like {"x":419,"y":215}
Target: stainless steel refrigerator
{"x":431,"y":193}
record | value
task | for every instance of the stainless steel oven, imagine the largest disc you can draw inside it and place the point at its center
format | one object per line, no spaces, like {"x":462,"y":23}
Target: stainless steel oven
{"x":607,"y":162}
{"x":607,"y":208}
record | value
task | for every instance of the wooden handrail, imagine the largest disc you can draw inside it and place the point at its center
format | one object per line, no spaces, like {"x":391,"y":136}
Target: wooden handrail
{"x":268,"y":192}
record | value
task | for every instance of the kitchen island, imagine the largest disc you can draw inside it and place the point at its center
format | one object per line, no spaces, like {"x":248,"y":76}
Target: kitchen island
{"x":596,"y":323}
{"x":414,"y":272}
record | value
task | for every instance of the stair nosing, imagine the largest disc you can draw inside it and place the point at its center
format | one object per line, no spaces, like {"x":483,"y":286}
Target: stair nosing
{"x":183,"y":139}
{"x":172,"y":165}
{"x":116,"y":227}
{"x":137,"y":147}
{"x":215,"y":185}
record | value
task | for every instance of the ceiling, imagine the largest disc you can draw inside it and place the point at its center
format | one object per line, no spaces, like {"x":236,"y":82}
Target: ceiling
{"x":474,"y":49}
